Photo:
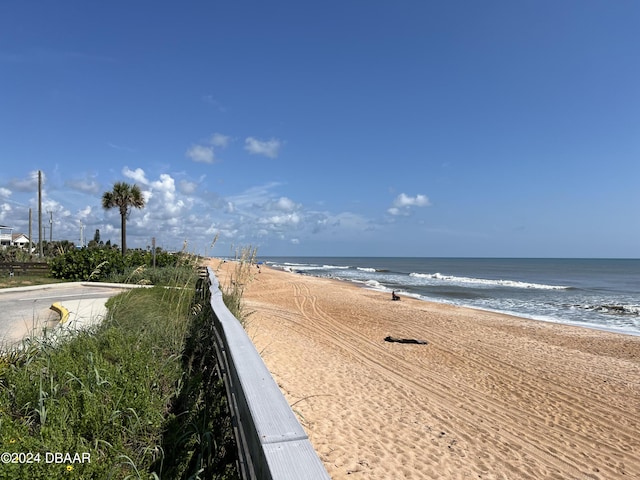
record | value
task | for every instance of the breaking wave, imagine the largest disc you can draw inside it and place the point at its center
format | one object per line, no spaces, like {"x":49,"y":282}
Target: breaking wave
{"x":306,"y":266}
{"x":487,"y":282}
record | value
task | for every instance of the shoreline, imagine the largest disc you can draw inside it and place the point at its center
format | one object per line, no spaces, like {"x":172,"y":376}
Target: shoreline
{"x":489,"y":396}
{"x":611,"y":325}
{"x":523,"y":316}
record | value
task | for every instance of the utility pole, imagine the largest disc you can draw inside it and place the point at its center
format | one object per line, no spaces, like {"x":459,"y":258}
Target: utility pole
{"x":40,"y":214}
{"x":50,"y":226}
{"x":30,"y":232}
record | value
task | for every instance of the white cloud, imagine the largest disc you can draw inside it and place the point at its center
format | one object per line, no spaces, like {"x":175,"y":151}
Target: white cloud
{"x":224,"y":229}
{"x":85,"y":212}
{"x":138,"y":175}
{"x":268,"y":148}
{"x":5,"y":210}
{"x":146,"y":195}
{"x":165,"y":203}
{"x":402,"y":204}
{"x":279,"y":220}
{"x":83,"y":185}
{"x":166,"y":183}
{"x":205,"y":152}
{"x":219,"y":140}
{"x":187,"y":187}
{"x":253,"y":196}
{"x":201,"y":154}
{"x":397,"y":211}
{"x":5,"y":192}
{"x":30,"y":184}
{"x":404,"y":200}
{"x":285,"y":204}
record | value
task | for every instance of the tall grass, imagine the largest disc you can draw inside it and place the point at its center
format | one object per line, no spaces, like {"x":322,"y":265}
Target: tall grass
{"x":143,"y":275}
{"x":117,"y":391}
{"x":199,"y":428}
{"x":233,"y":288}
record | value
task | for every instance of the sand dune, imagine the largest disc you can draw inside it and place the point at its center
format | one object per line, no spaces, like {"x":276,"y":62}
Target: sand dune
{"x":490,"y":396}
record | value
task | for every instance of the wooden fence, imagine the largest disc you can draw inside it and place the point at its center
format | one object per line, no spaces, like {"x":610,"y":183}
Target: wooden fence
{"x":24,"y":268}
{"x":271,"y":442}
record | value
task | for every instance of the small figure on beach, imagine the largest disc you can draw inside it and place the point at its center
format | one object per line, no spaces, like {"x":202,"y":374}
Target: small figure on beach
{"x":394,"y":296}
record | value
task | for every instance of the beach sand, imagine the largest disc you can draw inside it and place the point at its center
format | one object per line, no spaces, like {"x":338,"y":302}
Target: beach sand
{"x":489,"y":397}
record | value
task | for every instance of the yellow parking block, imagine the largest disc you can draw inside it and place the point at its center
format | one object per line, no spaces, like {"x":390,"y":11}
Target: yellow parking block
{"x":64,"y":313}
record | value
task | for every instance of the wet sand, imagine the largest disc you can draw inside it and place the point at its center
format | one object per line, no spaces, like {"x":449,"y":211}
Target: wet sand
{"x":489,"y":396}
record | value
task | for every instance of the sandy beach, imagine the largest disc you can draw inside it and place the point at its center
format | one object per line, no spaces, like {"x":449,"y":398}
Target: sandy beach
{"x":488,"y":397}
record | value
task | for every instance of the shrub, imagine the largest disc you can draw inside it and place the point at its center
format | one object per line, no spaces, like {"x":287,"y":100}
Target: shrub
{"x":99,"y":264}
{"x":86,"y":264}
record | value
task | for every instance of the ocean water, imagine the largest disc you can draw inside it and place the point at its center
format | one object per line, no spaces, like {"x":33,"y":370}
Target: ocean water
{"x":595,"y":293}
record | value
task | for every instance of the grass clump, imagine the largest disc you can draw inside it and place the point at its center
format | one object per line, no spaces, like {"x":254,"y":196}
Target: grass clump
{"x":117,"y":391}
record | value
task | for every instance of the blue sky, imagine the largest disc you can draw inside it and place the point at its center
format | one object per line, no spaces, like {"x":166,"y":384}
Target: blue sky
{"x":412,"y":128}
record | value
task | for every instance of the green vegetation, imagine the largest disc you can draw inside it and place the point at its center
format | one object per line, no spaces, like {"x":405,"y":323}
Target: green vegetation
{"x":139,"y":394}
{"x":105,"y":264}
{"x":108,"y":264}
{"x":199,"y":429}
{"x":97,"y":262}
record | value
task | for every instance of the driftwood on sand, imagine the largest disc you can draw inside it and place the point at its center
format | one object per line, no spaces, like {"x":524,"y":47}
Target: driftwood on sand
{"x":404,"y":340}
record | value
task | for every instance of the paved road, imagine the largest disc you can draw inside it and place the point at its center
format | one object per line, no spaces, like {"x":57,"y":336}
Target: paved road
{"x":28,"y":309}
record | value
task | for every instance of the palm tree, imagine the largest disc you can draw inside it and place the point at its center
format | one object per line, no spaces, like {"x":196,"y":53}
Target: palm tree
{"x":123,"y":196}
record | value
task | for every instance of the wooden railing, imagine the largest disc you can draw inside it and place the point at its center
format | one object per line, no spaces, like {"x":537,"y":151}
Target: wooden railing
{"x":271,"y":442}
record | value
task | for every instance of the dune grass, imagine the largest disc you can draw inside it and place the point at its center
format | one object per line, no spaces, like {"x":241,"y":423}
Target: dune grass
{"x":137,"y":395}
{"x":240,"y":276}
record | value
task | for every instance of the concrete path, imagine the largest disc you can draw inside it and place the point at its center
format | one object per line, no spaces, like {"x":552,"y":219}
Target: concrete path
{"x":29,"y":310}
